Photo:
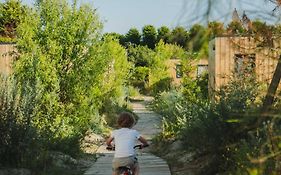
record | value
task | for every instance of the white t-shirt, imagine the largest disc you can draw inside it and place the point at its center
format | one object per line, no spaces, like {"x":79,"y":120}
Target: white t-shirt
{"x":124,"y":140}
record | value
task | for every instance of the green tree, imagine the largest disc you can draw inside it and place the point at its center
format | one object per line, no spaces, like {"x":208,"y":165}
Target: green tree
{"x":64,"y":60}
{"x":140,"y":56}
{"x":235,"y":28}
{"x":215,"y":29}
{"x":197,"y":38}
{"x":179,"y":36}
{"x":149,"y":36}
{"x":159,"y":76}
{"x":133,"y":36}
{"x":163,"y":34}
{"x":114,"y":79}
{"x":113,"y":35}
{"x":11,"y":13}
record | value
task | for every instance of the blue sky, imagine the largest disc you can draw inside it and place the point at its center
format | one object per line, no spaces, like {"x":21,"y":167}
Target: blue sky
{"x":121,"y":15}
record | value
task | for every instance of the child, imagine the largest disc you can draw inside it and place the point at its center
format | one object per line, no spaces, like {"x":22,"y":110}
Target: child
{"x":124,"y":140}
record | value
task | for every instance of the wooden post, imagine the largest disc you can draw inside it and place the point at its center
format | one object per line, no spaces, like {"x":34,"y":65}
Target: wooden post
{"x":268,"y":101}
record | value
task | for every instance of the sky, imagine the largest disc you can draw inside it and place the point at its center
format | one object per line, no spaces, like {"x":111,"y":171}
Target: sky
{"x":121,"y":15}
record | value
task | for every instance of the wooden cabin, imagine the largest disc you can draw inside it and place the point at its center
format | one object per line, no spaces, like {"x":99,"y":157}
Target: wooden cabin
{"x":6,"y":58}
{"x":174,"y":66}
{"x":230,"y":56}
{"x":200,"y":67}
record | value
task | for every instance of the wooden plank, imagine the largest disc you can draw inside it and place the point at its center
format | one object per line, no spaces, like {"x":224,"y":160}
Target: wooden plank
{"x":149,"y":165}
{"x":6,"y":58}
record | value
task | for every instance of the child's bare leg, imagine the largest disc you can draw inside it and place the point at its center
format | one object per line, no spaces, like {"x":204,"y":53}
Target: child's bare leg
{"x":136,"y":169}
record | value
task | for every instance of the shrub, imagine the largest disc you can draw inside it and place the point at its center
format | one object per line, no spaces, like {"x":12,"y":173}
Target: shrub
{"x":139,"y":77}
{"x":20,"y":143}
{"x":219,"y":126}
{"x":133,"y":92}
{"x":225,"y":127}
{"x":162,"y":85}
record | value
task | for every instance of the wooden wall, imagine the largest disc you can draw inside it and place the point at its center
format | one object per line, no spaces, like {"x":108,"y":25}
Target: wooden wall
{"x":222,"y":51}
{"x":172,"y":63}
{"x":6,"y":58}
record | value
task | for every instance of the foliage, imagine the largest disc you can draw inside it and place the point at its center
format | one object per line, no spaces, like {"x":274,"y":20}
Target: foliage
{"x":113,"y":35}
{"x":57,"y":53}
{"x":150,"y":70}
{"x":11,"y":13}
{"x":139,"y":77}
{"x":133,"y":37}
{"x":235,"y":28}
{"x":193,"y":87}
{"x":149,"y":36}
{"x":140,"y":56}
{"x":159,"y":76}
{"x":264,"y":34}
{"x":221,"y":127}
{"x":163,"y":34}
{"x":215,"y":29}
{"x":224,"y":118}
{"x":202,"y":83}
{"x":165,"y":104}
{"x":179,"y":36}
{"x":114,"y":93}
{"x":70,"y":71}
{"x":19,"y":137}
{"x":7,"y":40}
{"x":196,"y":37}
{"x":133,"y":92}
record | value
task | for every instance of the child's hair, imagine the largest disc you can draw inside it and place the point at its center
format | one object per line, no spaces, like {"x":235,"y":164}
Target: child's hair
{"x":125,"y":120}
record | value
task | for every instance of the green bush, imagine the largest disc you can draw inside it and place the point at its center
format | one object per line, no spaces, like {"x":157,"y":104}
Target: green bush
{"x":162,"y":85}
{"x":202,"y":83}
{"x":64,"y":76}
{"x":7,"y":40}
{"x":139,"y":78}
{"x":133,"y":92}
{"x":224,"y":132}
{"x":20,"y":143}
{"x":68,"y":145}
{"x":225,"y":127}
{"x":169,"y":105}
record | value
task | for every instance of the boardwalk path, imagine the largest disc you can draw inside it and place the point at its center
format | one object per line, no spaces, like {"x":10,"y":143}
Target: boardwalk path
{"x":149,"y":164}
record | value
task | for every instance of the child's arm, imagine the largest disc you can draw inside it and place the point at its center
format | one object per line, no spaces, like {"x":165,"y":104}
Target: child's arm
{"x":109,"y":140}
{"x":143,"y":141}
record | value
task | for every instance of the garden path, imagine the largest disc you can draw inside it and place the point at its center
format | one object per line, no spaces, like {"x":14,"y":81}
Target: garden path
{"x":148,"y":125}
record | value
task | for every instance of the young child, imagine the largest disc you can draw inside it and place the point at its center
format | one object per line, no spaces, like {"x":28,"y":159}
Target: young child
{"x":124,"y":140}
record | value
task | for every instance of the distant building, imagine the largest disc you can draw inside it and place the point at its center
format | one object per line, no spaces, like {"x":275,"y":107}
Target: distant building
{"x":241,"y":56}
{"x":200,"y":67}
{"x":235,"y":16}
{"x":175,"y":69}
{"x":244,"y":20}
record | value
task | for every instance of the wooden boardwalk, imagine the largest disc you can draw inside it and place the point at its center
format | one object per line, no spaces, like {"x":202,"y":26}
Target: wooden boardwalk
{"x":148,"y":125}
{"x":149,"y":165}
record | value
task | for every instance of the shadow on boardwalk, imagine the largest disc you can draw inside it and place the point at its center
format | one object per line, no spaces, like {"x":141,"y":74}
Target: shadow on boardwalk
{"x":148,"y":125}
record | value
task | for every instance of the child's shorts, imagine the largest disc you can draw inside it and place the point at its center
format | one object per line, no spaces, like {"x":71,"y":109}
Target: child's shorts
{"x":131,"y":161}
